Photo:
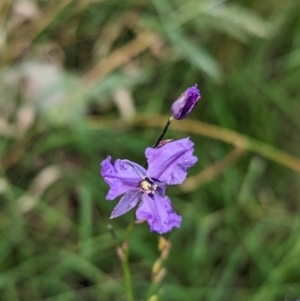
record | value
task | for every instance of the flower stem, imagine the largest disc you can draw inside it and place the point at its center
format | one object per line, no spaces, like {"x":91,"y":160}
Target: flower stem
{"x":125,"y":263}
{"x":163,"y":132}
{"x":123,"y":254}
{"x":127,"y":277}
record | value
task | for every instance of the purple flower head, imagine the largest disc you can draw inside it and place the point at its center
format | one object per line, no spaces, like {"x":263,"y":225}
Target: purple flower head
{"x":185,"y":103}
{"x":167,"y":165}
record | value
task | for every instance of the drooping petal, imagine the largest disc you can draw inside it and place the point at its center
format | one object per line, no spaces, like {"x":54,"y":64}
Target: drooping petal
{"x":170,"y":163}
{"x":127,"y":202}
{"x":159,"y":213}
{"x":121,"y":176}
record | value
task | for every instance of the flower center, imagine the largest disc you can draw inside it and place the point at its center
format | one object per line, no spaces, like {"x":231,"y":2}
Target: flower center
{"x":148,"y":186}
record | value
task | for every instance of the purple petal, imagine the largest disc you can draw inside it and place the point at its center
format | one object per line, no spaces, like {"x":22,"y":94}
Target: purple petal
{"x":170,"y":163}
{"x":185,"y":103}
{"x":121,"y":176}
{"x":159,"y":213}
{"x":127,"y":202}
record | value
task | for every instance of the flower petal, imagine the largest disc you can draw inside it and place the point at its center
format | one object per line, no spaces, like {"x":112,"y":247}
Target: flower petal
{"x":127,"y":202}
{"x":159,"y":213}
{"x":169,"y":163}
{"x":121,"y":176}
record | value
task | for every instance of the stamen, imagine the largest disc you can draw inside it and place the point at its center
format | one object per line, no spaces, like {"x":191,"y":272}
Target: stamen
{"x":151,"y":195}
{"x":159,"y":191}
{"x":149,"y":180}
{"x":148,"y":186}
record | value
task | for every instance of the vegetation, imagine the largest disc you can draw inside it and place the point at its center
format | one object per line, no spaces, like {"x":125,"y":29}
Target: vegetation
{"x":84,"y":79}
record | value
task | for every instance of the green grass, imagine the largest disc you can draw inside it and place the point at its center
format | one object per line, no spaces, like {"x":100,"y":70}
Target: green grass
{"x":239,"y":238}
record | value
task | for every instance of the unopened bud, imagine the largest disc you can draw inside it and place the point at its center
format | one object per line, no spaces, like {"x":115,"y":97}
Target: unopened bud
{"x":160,"y":276}
{"x":185,"y":103}
{"x":120,"y":254}
{"x":157,"y":267}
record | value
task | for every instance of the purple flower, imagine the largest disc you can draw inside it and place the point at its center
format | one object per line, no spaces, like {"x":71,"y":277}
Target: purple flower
{"x":167,"y":165}
{"x":185,"y":103}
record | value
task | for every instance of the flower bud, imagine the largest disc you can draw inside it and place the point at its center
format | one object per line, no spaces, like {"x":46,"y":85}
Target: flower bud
{"x":185,"y":103}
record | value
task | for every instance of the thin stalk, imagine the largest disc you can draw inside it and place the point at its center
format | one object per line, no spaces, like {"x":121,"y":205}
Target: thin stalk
{"x":123,"y":254}
{"x":125,"y":264}
{"x":127,"y":276}
{"x":163,"y":132}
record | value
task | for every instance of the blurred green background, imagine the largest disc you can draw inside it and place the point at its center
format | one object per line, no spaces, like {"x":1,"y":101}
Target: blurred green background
{"x":77,"y":82}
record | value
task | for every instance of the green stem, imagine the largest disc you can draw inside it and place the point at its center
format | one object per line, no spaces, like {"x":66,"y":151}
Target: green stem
{"x":127,"y":277}
{"x":123,"y":253}
{"x":125,"y":264}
